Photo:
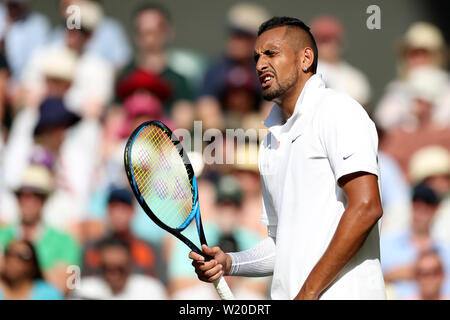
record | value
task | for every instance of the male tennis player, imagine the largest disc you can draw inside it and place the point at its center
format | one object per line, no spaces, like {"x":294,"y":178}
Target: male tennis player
{"x":319,"y":173}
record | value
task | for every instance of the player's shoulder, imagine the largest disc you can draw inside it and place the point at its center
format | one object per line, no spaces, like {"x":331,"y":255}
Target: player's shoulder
{"x":335,"y":104}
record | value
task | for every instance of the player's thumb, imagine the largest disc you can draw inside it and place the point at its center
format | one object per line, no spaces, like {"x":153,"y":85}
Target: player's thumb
{"x":211,"y":251}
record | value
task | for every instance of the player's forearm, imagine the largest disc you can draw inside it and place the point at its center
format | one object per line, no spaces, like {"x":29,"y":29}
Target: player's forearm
{"x":353,"y":229}
{"x":257,"y":261}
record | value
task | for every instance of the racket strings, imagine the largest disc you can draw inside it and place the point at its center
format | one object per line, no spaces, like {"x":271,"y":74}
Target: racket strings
{"x":161,"y":176}
{"x":165,"y":187}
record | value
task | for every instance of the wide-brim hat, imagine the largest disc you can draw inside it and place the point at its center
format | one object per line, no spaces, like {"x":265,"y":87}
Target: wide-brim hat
{"x":429,"y":161}
{"x":36,"y":179}
{"x":245,"y":18}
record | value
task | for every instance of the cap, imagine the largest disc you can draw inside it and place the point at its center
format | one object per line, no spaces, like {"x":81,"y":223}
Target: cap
{"x":121,"y":195}
{"x":429,"y":161}
{"x":37,"y":179}
{"x":143,"y":80}
{"x":53,"y":113}
{"x":423,"y":193}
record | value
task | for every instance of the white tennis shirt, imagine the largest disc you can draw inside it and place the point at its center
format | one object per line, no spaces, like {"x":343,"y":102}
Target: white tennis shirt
{"x":328,"y":136}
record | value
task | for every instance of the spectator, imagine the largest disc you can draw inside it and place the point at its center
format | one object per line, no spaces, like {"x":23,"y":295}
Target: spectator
{"x":399,"y":250}
{"x":146,"y":258}
{"x":22,"y":31}
{"x":54,"y":79}
{"x":429,"y":275}
{"x":431,"y":166}
{"x":108,"y":40}
{"x":402,"y":142}
{"x":117,"y":282}
{"x":55,"y":249}
{"x":337,"y":73}
{"x":395,"y":190}
{"x":422,"y":59}
{"x":153,"y":35}
{"x":92,"y":86}
{"x":243,"y":20}
{"x":21,"y":277}
{"x":72,"y":144}
{"x":240,"y":98}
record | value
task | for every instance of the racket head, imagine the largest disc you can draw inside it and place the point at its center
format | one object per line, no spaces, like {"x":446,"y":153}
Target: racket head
{"x":163,"y":180}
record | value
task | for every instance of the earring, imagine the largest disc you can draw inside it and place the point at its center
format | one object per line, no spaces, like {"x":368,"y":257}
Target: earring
{"x":304,"y":69}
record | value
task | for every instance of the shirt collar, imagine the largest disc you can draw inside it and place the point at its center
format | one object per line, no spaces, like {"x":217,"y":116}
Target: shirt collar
{"x":275,"y":118}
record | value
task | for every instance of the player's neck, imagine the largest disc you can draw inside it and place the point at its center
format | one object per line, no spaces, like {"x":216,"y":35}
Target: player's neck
{"x":289,"y":100}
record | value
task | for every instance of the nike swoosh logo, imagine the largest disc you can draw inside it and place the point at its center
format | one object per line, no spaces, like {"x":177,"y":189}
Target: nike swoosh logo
{"x":345,"y":158}
{"x":296,"y":138}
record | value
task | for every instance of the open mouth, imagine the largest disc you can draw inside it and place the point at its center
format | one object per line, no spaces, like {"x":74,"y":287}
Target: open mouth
{"x":266,"y":80}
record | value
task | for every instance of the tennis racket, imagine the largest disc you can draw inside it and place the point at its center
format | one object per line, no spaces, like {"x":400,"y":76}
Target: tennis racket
{"x":163,"y":181}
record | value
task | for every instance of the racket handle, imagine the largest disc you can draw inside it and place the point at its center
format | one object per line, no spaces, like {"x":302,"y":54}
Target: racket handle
{"x":223,"y":290}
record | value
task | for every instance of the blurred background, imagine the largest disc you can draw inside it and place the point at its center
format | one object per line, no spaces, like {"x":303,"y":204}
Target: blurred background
{"x":77,"y":76}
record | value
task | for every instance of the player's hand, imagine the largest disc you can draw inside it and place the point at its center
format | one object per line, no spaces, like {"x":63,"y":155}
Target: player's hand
{"x":210,"y":271}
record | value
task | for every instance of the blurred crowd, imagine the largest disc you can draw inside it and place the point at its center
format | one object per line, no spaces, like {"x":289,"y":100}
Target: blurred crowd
{"x":70,"y":227}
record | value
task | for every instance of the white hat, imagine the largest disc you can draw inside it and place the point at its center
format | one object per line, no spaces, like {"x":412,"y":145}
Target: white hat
{"x":247,"y":17}
{"x":61,"y":64}
{"x":37,"y":179}
{"x":424,"y":35}
{"x":428,"y":162}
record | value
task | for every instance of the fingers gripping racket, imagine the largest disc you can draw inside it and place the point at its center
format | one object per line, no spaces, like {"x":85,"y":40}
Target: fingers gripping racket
{"x":163,"y":181}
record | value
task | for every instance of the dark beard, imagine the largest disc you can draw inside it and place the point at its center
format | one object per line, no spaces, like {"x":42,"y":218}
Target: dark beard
{"x":270,"y":95}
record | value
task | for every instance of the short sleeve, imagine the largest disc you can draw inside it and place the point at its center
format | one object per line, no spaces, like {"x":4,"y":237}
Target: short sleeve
{"x":349,"y":137}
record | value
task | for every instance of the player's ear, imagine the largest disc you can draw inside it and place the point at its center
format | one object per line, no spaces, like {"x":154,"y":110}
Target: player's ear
{"x":307,"y":59}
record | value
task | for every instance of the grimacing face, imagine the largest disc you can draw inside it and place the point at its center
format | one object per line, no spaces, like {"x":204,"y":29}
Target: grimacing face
{"x":277,"y":64}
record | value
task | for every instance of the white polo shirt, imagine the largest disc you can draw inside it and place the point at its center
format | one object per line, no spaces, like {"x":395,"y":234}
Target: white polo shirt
{"x":328,"y":136}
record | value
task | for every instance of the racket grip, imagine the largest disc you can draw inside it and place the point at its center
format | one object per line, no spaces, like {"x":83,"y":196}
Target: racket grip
{"x":222,"y":289}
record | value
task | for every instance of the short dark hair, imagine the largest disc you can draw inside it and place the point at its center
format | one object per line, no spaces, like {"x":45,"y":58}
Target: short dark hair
{"x":276,"y":22}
